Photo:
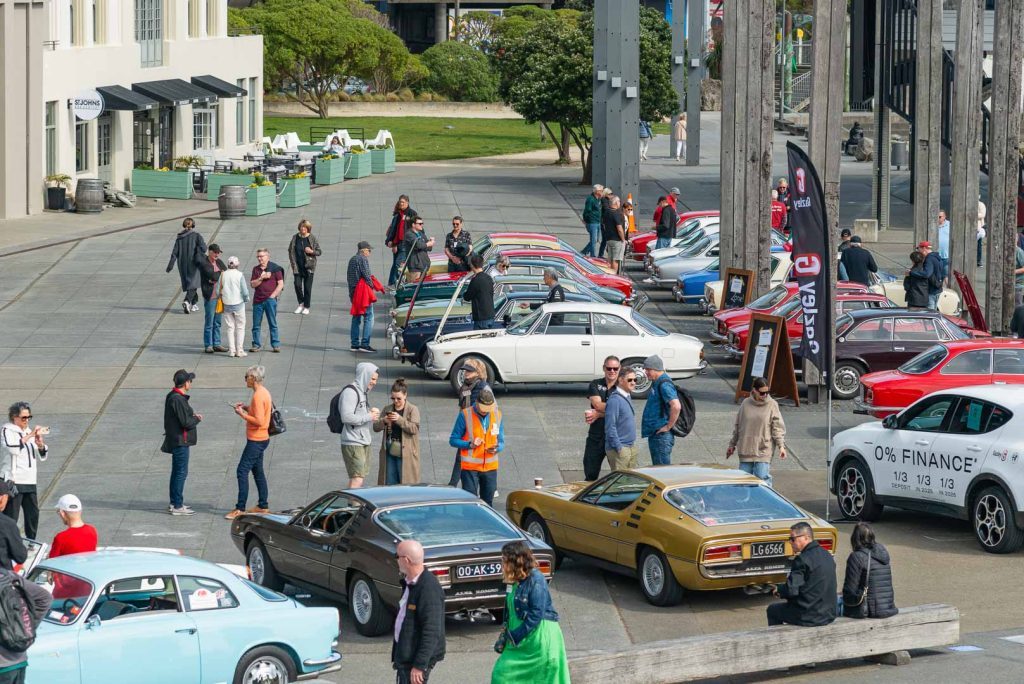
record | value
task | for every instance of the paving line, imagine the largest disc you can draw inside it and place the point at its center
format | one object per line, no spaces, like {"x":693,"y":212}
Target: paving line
{"x":39,"y":277}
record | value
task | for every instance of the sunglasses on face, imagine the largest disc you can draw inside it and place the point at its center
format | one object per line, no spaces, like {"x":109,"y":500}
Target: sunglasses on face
{"x":28,"y":417}
{"x":418,"y":223}
{"x":793,"y":539}
{"x":612,"y":368}
{"x":630,"y":381}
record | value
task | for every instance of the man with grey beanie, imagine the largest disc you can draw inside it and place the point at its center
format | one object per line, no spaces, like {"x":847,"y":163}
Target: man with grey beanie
{"x":660,"y":412}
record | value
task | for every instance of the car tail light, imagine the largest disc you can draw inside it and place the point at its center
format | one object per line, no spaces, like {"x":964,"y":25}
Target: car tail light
{"x":544,"y":565}
{"x":825,"y":543}
{"x":443,"y":575}
{"x":869,"y":396}
{"x":723,"y":553}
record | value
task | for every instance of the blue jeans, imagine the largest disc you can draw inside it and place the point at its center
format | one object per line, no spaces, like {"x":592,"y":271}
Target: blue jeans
{"x":252,"y":462}
{"x":661,"y":243}
{"x":757,"y":469}
{"x":267,"y":307}
{"x":398,"y":258}
{"x":594,"y":230}
{"x":362,"y":323}
{"x":933,"y":301}
{"x":179,"y":471}
{"x":485,"y":324}
{"x":661,"y":447}
{"x":394,"y":470}
{"x":211,"y":324}
{"x":481,"y":483}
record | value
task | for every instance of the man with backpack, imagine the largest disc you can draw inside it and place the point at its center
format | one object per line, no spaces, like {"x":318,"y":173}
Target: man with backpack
{"x":22,"y":606}
{"x":12,"y":549}
{"x":660,"y":412}
{"x":352,"y":417}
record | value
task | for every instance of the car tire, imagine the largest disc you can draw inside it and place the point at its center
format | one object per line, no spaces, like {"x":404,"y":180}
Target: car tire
{"x":643,"y":385}
{"x":535,"y":527}
{"x":657,"y":581}
{"x":995,"y":527}
{"x":267,"y":664}
{"x":261,"y":568}
{"x":371,"y":616}
{"x":846,"y":379}
{"x":456,"y":374}
{"x":855,"y":492}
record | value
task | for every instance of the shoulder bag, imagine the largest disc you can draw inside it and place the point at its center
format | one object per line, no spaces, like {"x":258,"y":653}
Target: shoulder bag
{"x":867,"y":581}
{"x":277,"y":425}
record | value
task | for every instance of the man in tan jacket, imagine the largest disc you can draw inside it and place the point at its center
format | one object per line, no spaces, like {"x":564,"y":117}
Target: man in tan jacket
{"x":758,"y":431}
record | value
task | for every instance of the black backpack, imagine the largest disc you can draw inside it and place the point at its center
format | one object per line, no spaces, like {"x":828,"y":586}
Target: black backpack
{"x":334,"y":422}
{"x":17,"y":629}
{"x":687,"y":412}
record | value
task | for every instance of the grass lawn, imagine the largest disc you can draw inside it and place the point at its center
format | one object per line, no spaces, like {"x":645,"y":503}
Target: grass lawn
{"x":425,"y":138}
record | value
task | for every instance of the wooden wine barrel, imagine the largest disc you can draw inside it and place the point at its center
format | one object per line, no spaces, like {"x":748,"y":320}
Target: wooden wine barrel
{"x":231,"y":201}
{"x":89,"y":196}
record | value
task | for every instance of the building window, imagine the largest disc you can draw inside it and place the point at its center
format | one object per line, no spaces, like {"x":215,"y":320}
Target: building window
{"x":252,"y":109}
{"x":211,"y":18}
{"x":103,"y":125}
{"x":51,"y":138}
{"x":81,"y":146}
{"x":240,"y":114}
{"x":149,"y":32}
{"x":193,"y":18}
{"x":76,"y":34}
{"x":142,"y":138}
{"x":204,"y":128}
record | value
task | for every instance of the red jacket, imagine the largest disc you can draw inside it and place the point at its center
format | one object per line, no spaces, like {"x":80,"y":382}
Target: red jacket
{"x":364,"y":297}
{"x":778,"y":214}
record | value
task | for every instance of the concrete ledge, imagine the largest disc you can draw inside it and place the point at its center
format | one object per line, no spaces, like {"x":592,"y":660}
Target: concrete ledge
{"x":452,"y":110}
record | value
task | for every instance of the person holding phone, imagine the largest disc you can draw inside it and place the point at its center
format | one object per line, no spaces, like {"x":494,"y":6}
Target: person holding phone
{"x":26,"y":449}
{"x":400,"y":449}
{"x":479,"y":435}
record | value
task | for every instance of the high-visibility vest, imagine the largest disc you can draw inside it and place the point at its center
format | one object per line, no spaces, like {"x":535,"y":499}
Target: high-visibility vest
{"x":477,"y":458}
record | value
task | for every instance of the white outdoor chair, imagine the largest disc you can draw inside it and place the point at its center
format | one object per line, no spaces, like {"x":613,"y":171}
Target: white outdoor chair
{"x":382,"y":140}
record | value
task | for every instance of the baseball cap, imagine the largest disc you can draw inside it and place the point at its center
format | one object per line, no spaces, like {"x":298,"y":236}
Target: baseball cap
{"x":844,"y":232}
{"x":363,"y":244}
{"x":674,"y":191}
{"x":214,"y":247}
{"x":924,"y":243}
{"x":69,"y":503}
{"x":856,"y":238}
{"x":182,"y":376}
{"x":485,"y":400}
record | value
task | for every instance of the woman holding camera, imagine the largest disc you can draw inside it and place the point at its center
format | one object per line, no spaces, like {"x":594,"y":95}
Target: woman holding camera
{"x":26,"y":449}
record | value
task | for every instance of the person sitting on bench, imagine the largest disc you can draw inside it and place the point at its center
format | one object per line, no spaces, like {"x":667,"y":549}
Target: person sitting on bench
{"x":810,"y":591}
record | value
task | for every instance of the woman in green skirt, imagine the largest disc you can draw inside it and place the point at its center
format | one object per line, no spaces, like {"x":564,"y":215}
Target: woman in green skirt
{"x":531,"y":646}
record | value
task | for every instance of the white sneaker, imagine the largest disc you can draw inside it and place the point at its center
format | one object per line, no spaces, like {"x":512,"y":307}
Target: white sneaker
{"x":195,"y":307}
{"x":232,"y":354}
{"x":305,"y":311}
{"x":298,"y":310}
{"x":242,"y":353}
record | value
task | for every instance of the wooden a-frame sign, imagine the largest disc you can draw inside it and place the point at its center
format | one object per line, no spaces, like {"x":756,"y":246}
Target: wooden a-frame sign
{"x":768,"y":355}
{"x":737,"y":288}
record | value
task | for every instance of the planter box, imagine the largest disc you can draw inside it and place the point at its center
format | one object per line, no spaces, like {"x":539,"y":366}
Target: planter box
{"x":167,"y":184}
{"x":359,"y":165}
{"x":215,"y":180}
{"x":261,"y":200}
{"x":330,"y":171}
{"x":294,"y":192}
{"x":383,"y":161}
{"x":311,"y":148}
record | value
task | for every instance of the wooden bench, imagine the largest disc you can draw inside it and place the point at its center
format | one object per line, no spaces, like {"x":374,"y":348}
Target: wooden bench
{"x":770,"y":648}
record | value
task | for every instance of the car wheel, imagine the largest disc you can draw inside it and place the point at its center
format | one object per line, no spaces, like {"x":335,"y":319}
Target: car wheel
{"x":261,"y":568}
{"x":265,"y":665}
{"x":643,"y":385}
{"x":656,"y":579}
{"x":458,"y":373}
{"x":855,"y":494}
{"x":994,"y":523}
{"x":535,"y":527}
{"x":371,"y":616}
{"x":846,"y":379}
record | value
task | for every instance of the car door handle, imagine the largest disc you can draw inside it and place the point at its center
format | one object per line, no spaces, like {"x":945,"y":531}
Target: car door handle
{"x":615,"y":523}
{"x":186,"y":630}
{"x":921,"y":442}
{"x":898,"y":349}
{"x":974,"y":447}
{"x":585,"y":343}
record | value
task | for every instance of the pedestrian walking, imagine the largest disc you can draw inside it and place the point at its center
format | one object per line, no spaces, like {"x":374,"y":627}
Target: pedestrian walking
{"x":361,"y":288}
{"x":401,"y":220}
{"x":844,"y":243}
{"x":479,"y":435}
{"x":38,"y":601}
{"x":419,"y":643}
{"x":679,"y":131}
{"x":665,"y":223}
{"x":267,"y":280}
{"x":592,"y":219}
{"x":25,"y":451}
{"x":303,"y":251}
{"x":915,"y":283}
{"x":188,"y":250}
{"x":758,"y":431}
{"x":778,"y":210}
{"x":645,"y":138}
{"x":606,"y":207}
{"x":982,"y":212}
{"x":457,"y":247}
{"x":867,"y":584}
{"x":786,"y":197}
{"x":77,"y":536}
{"x":417,"y":247}
{"x":858,"y":262}
{"x":556,"y":293}
{"x":594,"y":449}
{"x":180,"y":434}
{"x":810,"y":589}
{"x":531,"y":645}
{"x":257,"y":438}
{"x":474,"y":381}
{"x":660,"y":412}
{"x":933,"y":270}
{"x":400,"y":449}
{"x":620,"y":423}
{"x":358,"y":417}
{"x":942,"y":232}
{"x":480,"y":294}
{"x":234,"y":293}
{"x":210,"y":269}
{"x":613,"y":230}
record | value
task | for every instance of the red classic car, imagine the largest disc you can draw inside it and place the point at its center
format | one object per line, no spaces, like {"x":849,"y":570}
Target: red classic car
{"x":942,"y":367}
{"x":636,"y":246}
{"x":590,"y":270}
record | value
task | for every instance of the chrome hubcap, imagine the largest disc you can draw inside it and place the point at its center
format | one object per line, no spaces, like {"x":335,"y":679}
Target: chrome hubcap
{"x":990,"y":520}
{"x":256,"y":566}
{"x":847,"y":380}
{"x":852,"y":492}
{"x":266,"y":670}
{"x":642,"y":383}
{"x":536,"y":530}
{"x":362,"y":602}
{"x":653,"y":575}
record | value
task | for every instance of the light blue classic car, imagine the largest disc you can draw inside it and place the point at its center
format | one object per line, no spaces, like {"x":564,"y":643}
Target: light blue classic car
{"x":138,"y":616}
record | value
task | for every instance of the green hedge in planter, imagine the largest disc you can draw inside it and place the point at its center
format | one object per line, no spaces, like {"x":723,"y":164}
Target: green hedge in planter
{"x":383,"y":160}
{"x":260,"y":200}
{"x":215,"y":180}
{"x":295,"y":192}
{"x":359,"y":165}
{"x":167,"y":184}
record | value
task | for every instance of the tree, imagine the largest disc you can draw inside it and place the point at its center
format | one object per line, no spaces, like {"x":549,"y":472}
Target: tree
{"x":475,"y":29}
{"x":460,"y":72}
{"x":391,"y":60}
{"x":658,"y":98}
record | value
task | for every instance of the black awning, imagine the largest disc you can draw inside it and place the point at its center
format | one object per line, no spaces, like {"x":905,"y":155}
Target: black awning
{"x":174,"y":91}
{"x":216,"y":85}
{"x":123,"y":100}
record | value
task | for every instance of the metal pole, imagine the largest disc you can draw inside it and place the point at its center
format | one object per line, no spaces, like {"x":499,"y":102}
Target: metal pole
{"x":828,"y":443}
{"x":782,"y":62}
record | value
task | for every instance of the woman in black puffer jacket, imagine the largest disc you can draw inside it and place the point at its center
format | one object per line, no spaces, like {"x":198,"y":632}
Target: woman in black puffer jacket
{"x":869,"y":561}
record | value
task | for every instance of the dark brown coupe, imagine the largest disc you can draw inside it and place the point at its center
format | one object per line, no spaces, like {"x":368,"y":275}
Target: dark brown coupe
{"x":343,"y":545}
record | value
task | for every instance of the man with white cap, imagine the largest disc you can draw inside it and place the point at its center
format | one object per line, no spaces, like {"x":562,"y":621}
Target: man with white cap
{"x":78,"y":537}
{"x":660,"y":412}
{"x":673,"y":197}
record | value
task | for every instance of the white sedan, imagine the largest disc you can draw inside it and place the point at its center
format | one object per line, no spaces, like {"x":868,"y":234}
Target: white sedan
{"x":566,"y":342}
{"x":957,"y":452}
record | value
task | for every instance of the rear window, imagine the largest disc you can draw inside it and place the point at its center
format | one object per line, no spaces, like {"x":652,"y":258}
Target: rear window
{"x":448,"y":523}
{"x":728,"y":504}
{"x":264,"y":593}
{"x":925,"y":361}
{"x":648,"y":327}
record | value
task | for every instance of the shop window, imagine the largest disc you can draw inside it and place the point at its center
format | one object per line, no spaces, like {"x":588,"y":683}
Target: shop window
{"x":82,"y":146}
{"x":252,"y":110}
{"x":51,"y":138}
{"x":103,"y":126}
{"x":240,"y":114}
{"x":204,"y":128}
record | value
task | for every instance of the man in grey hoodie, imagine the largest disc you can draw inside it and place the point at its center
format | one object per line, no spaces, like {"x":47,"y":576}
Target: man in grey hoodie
{"x":358,"y":417}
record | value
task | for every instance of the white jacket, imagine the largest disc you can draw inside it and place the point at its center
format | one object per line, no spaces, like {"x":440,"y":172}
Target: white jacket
{"x":233,"y":288}
{"x":21,"y":465}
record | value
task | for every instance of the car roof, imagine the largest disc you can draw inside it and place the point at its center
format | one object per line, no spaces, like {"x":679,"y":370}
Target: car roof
{"x":601,"y":307}
{"x":382,"y":497}
{"x":538,"y":253}
{"x":1009,"y":396}
{"x":687,"y":215}
{"x":105,"y":566}
{"x":521,"y":234}
{"x":540,"y":294}
{"x":861,"y":314}
{"x":983,"y":343}
{"x":694,"y":473}
{"x":860,"y":295}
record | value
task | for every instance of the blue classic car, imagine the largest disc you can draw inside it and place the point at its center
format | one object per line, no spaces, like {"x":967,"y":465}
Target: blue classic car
{"x":137,"y":616}
{"x":689,"y":287}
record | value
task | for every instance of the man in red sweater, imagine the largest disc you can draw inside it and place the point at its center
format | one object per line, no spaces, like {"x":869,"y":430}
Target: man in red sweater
{"x":778,"y":211}
{"x":78,"y":537}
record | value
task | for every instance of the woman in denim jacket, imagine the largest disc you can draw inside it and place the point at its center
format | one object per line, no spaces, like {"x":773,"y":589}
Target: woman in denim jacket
{"x":531,"y":645}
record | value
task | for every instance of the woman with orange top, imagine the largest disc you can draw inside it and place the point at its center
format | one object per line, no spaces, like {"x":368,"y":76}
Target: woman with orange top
{"x":257,"y":437}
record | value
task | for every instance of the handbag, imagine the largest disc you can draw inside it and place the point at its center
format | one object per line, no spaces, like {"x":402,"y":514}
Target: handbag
{"x":867,"y":580}
{"x":394,"y":445}
{"x":219,"y":309}
{"x":277,"y":425}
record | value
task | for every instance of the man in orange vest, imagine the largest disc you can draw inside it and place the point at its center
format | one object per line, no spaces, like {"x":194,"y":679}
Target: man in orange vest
{"x":479,"y":435}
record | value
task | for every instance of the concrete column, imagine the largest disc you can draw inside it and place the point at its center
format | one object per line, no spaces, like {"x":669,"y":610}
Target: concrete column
{"x":602,"y":88}
{"x":1004,"y":160}
{"x":440,"y":22}
{"x":881,"y":188}
{"x":747,"y":137}
{"x":680,"y":67}
{"x":696,"y":43}
{"x":122,"y":152}
{"x":966,"y":155}
{"x":927,"y":120}
{"x":619,"y":29}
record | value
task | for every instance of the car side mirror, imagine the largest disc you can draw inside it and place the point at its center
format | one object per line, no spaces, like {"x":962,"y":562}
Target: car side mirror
{"x":889,"y":422}
{"x":93,"y":622}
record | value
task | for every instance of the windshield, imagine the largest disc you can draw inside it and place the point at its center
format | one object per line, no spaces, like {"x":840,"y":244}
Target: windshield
{"x":523,"y":326}
{"x":647,"y":326}
{"x":729,"y":504}
{"x":449,"y":523}
{"x":788,"y":308}
{"x":769,"y":300}
{"x":70,"y":594}
{"x":586,"y":265}
{"x":263,"y":592}
{"x":713,"y":266}
{"x":925,"y":361}
{"x":481,"y":245}
{"x":686,"y":227}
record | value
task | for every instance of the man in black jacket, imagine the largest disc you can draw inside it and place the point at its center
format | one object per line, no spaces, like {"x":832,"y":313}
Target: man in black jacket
{"x":810,"y":591}
{"x":556,"y":293}
{"x":12,"y":549}
{"x":419,"y":627}
{"x":480,"y":294}
{"x":858,"y":262}
{"x":210,"y":269}
{"x":180,"y":423}
{"x":666,"y":226}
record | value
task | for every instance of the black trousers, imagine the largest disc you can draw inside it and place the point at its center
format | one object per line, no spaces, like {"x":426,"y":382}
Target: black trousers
{"x":192,"y":296}
{"x":25,"y":500}
{"x":403,"y":675}
{"x":782,"y":614}
{"x":304,"y":287}
{"x":593,"y":455}
{"x":456,"y":480}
